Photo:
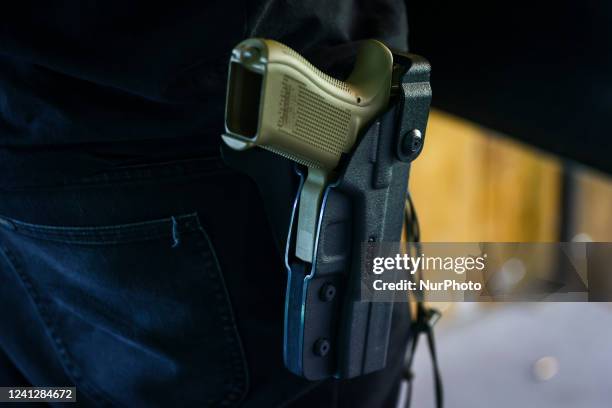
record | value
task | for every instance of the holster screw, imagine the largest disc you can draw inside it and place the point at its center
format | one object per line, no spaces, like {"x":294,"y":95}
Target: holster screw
{"x":411,"y":142}
{"x":322,"y":347}
{"x":327,"y":292}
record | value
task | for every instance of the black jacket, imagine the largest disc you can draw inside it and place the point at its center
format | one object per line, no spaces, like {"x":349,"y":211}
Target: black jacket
{"x":87,"y":86}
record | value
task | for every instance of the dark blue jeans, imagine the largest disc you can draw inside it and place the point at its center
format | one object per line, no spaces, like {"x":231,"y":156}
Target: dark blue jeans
{"x":156,"y":285}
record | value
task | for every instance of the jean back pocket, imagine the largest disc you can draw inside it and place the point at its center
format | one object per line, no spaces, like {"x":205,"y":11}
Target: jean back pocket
{"x":139,"y":313}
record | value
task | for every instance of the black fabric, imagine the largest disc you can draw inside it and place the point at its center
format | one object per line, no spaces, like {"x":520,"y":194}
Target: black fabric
{"x":537,"y":71}
{"x":110,"y":116}
{"x":101,"y":291}
{"x":85,"y":86}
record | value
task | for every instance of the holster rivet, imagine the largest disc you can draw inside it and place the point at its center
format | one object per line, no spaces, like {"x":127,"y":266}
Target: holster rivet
{"x":322,"y":347}
{"x":327,"y":292}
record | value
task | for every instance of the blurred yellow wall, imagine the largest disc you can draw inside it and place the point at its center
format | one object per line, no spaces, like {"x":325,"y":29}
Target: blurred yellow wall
{"x":471,"y":184}
{"x":592,"y":205}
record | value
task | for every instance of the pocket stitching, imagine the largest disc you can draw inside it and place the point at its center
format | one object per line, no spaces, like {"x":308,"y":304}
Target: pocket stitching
{"x":236,"y":360}
{"x":105,"y":235}
{"x":237,"y":356}
{"x":70,"y":367}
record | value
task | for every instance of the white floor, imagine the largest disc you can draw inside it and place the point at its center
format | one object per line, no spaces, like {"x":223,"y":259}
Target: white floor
{"x":537,"y":355}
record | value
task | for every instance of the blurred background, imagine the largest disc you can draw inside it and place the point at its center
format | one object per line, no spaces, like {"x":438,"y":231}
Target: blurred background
{"x":518,"y":149}
{"x":472,"y":184}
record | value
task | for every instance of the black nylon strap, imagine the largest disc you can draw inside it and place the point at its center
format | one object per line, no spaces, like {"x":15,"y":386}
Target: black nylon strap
{"x":425,"y":319}
{"x":423,"y":325}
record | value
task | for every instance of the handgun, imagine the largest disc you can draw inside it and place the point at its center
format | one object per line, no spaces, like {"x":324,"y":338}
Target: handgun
{"x":279,"y":101}
{"x":352,"y":142}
